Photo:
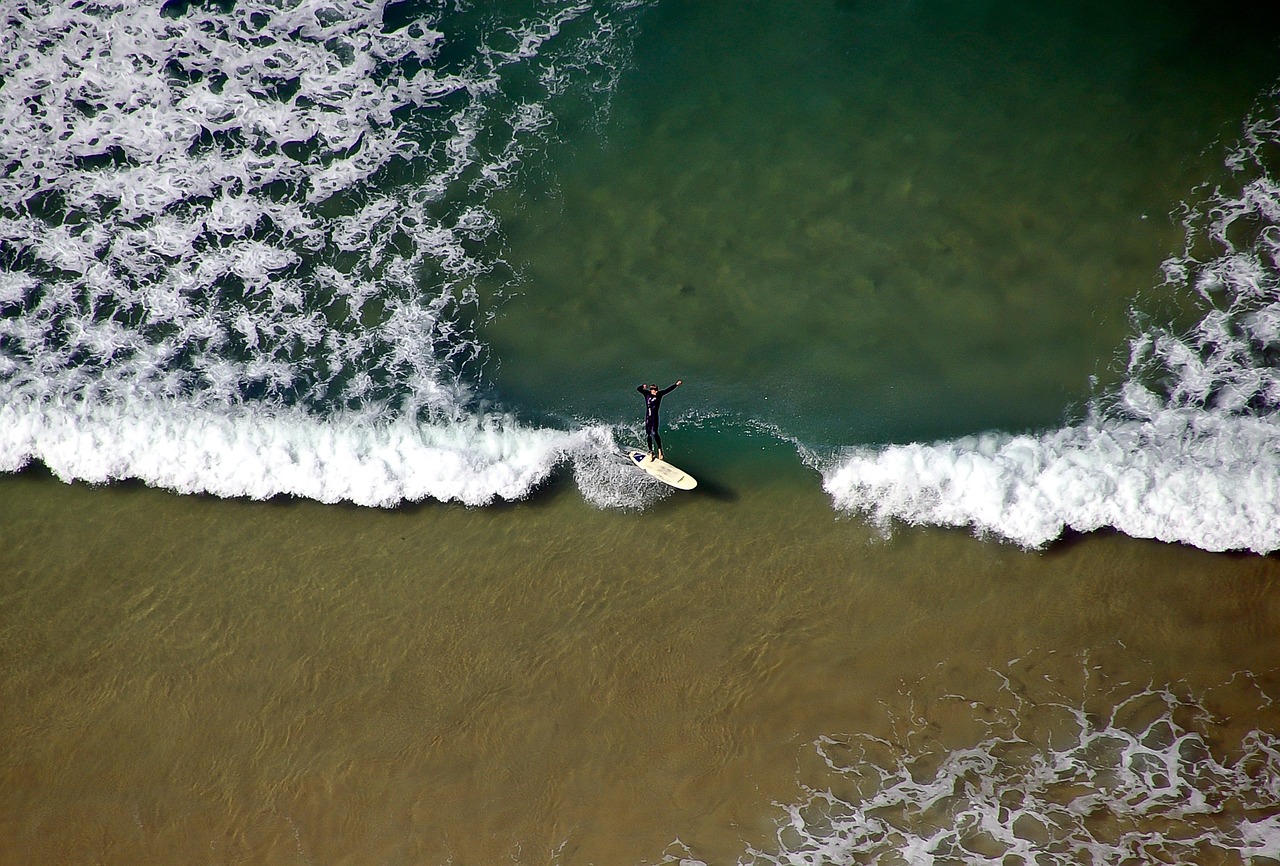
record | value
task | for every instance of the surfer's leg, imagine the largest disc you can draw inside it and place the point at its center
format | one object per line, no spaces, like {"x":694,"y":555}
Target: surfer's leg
{"x":657,"y":440}
{"x":651,"y":437}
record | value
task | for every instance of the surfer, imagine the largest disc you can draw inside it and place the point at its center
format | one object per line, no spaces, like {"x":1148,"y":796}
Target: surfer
{"x":652,"y":399}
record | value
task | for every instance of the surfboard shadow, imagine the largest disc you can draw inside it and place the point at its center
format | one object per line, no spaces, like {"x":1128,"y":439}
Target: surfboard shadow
{"x":713,"y":490}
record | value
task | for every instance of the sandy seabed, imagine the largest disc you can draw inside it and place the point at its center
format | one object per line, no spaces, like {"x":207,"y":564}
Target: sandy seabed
{"x":188,"y":679}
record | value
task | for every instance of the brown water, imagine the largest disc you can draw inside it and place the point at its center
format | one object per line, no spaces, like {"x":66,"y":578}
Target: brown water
{"x":191,"y":680}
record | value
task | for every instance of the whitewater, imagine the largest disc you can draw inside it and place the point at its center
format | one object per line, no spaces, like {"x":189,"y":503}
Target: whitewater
{"x":1186,"y":450}
{"x":239,"y":252}
{"x":240,"y":246}
{"x":1048,"y":782}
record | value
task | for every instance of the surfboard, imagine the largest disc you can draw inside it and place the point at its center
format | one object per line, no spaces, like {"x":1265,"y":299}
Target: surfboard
{"x":662,"y":470}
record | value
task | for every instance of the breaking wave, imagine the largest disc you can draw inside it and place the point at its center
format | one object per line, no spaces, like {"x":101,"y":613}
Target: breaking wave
{"x":1186,"y":450}
{"x":239,"y":242}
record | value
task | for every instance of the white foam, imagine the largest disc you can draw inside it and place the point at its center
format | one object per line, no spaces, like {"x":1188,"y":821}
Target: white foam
{"x":186,"y":202}
{"x":1207,"y":480}
{"x":1187,"y":450}
{"x":608,"y":479}
{"x":182,"y":218}
{"x":1150,"y":781}
{"x":238,"y":452}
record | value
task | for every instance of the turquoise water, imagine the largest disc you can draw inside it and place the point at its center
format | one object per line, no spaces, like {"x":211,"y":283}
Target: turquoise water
{"x":868,"y":222}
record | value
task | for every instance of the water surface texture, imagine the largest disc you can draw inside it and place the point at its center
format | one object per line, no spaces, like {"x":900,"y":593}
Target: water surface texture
{"x":380,"y":254}
{"x":320,"y":327}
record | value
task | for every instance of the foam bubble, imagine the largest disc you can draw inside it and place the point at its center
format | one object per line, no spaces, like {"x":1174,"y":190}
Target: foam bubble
{"x":1153,"y":777}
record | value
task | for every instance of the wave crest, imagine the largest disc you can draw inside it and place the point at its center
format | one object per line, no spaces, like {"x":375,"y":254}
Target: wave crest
{"x":1187,"y":450}
{"x":242,"y":453}
{"x":252,"y":234}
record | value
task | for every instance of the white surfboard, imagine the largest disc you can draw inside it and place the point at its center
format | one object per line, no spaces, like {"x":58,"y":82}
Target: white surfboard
{"x":662,"y":470}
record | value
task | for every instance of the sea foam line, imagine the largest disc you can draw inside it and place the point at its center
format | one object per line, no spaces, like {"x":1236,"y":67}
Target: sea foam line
{"x":1114,"y":794}
{"x":1205,"y":480}
{"x":1107,"y":774}
{"x":238,"y":452}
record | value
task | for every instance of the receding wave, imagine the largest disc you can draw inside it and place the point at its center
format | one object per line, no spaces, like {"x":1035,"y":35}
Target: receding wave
{"x":1150,"y":775}
{"x":1186,"y":450}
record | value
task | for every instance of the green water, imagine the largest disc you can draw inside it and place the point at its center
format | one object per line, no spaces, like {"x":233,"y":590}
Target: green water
{"x":868,"y":221}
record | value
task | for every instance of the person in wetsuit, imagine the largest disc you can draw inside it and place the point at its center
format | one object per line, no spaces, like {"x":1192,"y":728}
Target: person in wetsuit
{"x":652,"y":399}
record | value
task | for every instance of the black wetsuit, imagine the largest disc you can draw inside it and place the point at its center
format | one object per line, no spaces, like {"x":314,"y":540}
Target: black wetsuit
{"x":651,"y":402}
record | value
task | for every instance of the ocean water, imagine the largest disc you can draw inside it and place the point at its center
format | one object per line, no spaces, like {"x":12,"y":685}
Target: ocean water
{"x":391,"y":253}
{"x":320,"y":326}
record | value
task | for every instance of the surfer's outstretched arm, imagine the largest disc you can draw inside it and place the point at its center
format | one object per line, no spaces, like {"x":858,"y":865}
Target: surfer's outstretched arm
{"x":670,"y":388}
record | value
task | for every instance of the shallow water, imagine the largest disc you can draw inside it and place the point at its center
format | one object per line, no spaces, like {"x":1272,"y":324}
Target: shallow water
{"x":198,"y":680}
{"x":844,"y":225}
